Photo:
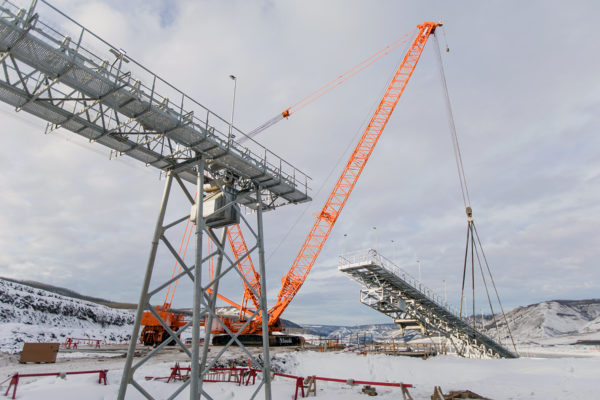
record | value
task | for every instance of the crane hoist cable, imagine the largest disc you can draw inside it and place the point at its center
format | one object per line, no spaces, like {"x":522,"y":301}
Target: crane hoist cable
{"x":455,"y":144}
{"x":351,"y":72}
{"x":330,"y":85}
{"x":474,"y":245}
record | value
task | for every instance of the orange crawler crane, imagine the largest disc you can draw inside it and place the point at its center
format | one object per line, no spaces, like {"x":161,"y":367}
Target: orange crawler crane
{"x":317,"y":236}
{"x":153,"y":332}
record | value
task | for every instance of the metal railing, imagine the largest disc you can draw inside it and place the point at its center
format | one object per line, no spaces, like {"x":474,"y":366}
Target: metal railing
{"x":373,"y":256}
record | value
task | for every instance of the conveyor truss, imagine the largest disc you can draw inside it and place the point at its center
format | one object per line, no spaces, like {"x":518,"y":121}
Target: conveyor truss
{"x":393,"y":292}
{"x":79,"y":82}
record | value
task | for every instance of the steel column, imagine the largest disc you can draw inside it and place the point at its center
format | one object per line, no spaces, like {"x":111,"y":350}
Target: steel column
{"x":263,"y":299}
{"x":158,"y":231}
{"x":198,"y":294}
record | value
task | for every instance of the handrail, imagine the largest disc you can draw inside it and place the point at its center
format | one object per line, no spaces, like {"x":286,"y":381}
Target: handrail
{"x":372,"y":255}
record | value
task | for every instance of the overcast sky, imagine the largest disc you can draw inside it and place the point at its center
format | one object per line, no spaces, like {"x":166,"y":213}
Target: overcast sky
{"x":523,"y":82}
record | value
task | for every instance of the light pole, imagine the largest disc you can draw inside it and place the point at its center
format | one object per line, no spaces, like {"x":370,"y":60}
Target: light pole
{"x":419,"y":263}
{"x":344,"y":244}
{"x":445,"y":294}
{"x":376,"y":239}
{"x":234,"y":79}
{"x":393,"y":252}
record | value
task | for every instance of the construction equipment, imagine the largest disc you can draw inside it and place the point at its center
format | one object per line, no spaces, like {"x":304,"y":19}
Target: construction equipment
{"x":323,"y":225}
{"x":153,"y":333}
{"x":319,"y":233}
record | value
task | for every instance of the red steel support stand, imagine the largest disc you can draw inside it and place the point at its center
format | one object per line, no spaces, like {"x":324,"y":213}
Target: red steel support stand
{"x":14,"y":381}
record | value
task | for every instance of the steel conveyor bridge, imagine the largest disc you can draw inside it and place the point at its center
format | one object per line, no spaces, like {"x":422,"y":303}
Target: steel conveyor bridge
{"x":79,"y":82}
{"x":61,"y":72}
{"x":393,"y":292}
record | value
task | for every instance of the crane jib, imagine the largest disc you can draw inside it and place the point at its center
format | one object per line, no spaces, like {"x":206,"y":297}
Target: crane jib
{"x":326,"y":219}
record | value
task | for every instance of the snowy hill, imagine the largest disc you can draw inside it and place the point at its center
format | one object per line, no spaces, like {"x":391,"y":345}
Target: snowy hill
{"x":553,"y":319}
{"x":373,"y":332}
{"x":33,"y":314}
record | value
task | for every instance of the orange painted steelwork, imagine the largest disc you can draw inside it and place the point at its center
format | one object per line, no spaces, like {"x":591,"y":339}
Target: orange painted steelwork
{"x":317,"y":236}
{"x":245,"y":266}
{"x":323,"y":225}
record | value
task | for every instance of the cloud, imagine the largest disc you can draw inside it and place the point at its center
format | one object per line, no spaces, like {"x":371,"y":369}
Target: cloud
{"x":523,"y":86}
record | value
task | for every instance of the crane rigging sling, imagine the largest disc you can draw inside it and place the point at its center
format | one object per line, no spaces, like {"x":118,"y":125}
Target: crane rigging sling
{"x":473,"y":241}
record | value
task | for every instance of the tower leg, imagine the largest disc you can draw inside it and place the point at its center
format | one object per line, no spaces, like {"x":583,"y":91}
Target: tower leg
{"x":263,"y":300}
{"x":158,"y":230}
{"x":198,"y":293}
{"x":212,"y":305}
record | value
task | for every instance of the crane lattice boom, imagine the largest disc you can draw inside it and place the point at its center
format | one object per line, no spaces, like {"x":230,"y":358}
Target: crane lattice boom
{"x":245,"y":266}
{"x":315,"y":240}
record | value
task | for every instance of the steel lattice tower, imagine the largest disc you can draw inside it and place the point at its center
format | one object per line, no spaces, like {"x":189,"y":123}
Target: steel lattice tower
{"x":120,"y":104}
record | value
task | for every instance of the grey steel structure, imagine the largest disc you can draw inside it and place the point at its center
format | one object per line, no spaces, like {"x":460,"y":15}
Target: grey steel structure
{"x":81,"y":83}
{"x":391,"y":291}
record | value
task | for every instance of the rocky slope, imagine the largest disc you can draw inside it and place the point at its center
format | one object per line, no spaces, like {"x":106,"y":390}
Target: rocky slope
{"x":33,"y":314}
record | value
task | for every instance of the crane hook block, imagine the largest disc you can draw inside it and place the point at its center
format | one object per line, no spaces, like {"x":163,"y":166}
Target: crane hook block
{"x":286,"y":113}
{"x":469,"y":212}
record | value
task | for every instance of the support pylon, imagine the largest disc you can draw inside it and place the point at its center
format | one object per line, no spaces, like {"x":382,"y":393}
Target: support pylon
{"x":205,"y":289}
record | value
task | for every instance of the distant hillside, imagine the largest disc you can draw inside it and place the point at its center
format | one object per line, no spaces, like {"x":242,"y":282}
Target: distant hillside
{"x":33,"y":311}
{"x":71,"y":293}
{"x":30,"y":314}
{"x":572,"y":320}
{"x":551,"y":319}
{"x":36,"y":312}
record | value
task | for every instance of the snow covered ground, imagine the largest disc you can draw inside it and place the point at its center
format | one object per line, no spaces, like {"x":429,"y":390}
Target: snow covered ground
{"x":524,"y":378}
{"x":551,"y":367}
